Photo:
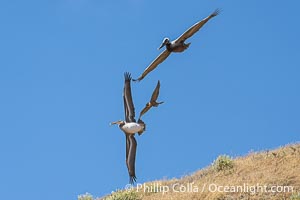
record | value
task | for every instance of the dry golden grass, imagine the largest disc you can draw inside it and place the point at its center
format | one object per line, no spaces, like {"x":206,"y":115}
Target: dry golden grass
{"x":280,"y":167}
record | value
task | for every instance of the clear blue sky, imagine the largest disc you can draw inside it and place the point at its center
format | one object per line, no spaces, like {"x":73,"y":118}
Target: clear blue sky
{"x":234,"y":90}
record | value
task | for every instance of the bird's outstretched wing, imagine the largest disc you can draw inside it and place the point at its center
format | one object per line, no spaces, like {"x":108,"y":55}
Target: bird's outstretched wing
{"x":147,"y":107}
{"x":130,"y":161}
{"x":125,"y":110}
{"x":193,"y":29}
{"x":128,"y":103}
{"x":155,"y":92}
{"x":127,"y":146}
{"x":154,"y":64}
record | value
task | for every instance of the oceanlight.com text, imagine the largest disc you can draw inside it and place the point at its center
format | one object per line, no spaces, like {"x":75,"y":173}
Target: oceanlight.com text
{"x":252,"y":189}
{"x":212,"y":187}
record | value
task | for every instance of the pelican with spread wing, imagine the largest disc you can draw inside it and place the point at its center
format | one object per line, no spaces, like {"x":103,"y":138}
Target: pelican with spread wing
{"x":177,"y":45}
{"x":153,"y":101}
{"x":130,"y":126}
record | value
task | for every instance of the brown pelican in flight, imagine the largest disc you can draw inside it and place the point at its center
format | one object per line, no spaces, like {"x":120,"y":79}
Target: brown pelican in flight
{"x":153,"y":101}
{"x":130,"y":127}
{"x":177,"y":45}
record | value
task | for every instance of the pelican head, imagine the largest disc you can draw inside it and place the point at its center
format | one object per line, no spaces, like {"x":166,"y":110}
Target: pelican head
{"x":165,"y":41}
{"x":120,"y":123}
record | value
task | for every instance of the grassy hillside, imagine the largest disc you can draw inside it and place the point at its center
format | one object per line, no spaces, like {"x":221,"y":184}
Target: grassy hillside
{"x":272,"y":174}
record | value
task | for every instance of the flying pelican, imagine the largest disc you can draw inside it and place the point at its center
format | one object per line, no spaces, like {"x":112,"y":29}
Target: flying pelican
{"x":177,"y":45}
{"x":130,"y":127}
{"x":153,"y":101}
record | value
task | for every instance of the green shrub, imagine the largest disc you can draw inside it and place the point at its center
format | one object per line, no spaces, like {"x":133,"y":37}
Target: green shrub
{"x":295,"y":197}
{"x":222,"y":163}
{"x":124,"y":195}
{"x":85,"y":196}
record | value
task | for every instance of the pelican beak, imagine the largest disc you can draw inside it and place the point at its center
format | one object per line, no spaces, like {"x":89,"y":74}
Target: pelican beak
{"x":161,"y":46}
{"x":113,"y":123}
{"x":117,"y":122}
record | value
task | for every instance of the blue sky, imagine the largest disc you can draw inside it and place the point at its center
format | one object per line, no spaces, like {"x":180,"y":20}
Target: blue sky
{"x":234,"y":90}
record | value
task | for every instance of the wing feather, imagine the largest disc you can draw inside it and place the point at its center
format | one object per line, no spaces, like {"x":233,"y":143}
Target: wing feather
{"x":147,"y":107}
{"x":154,"y":64}
{"x":128,"y":103}
{"x":127,"y":147}
{"x":131,"y":159}
{"x":125,"y":110}
{"x":155,"y":92}
{"x":193,"y":29}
